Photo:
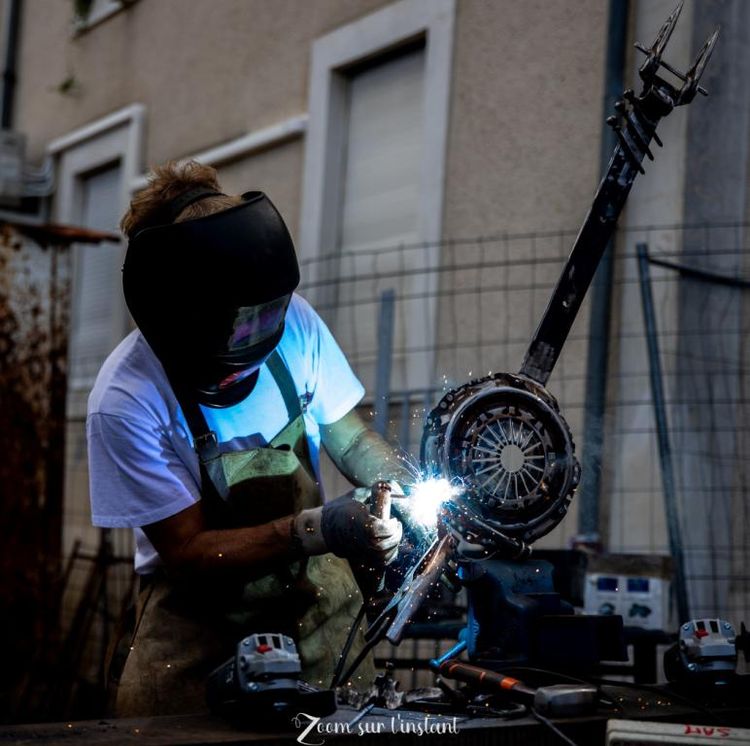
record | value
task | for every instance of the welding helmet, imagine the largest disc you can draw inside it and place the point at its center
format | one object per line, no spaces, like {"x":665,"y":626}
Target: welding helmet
{"x":210,"y":294}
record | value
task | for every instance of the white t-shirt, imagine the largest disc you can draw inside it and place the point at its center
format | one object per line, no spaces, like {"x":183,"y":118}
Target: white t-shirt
{"x":142,"y":465}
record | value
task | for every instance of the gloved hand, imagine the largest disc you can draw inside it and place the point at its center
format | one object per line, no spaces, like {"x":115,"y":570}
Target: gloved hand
{"x":364,"y":494}
{"x":345,"y":527}
{"x":475,"y":538}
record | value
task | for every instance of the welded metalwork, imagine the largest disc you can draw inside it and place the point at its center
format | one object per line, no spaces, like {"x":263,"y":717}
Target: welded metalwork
{"x":503,"y":437}
{"x":504,"y":440}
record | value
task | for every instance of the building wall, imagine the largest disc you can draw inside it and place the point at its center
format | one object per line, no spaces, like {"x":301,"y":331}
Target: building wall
{"x":522,"y":158}
{"x":689,"y":207}
{"x":526,"y":124}
{"x":525,"y":103}
{"x":525,"y":117}
{"x":207,"y":72}
{"x":632,"y":489}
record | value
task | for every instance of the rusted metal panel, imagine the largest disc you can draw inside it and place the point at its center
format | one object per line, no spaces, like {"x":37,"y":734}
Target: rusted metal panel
{"x":58,"y":234}
{"x":35,"y":276}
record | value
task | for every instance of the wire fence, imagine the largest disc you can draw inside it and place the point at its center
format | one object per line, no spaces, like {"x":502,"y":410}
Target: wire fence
{"x":466,"y":308}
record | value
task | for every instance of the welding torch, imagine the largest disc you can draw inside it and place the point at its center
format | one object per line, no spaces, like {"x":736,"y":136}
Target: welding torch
{"x":380,"y":507}
{"x":371,"y":586}
{"x":462,"y":534}
{"x":556,"y":700}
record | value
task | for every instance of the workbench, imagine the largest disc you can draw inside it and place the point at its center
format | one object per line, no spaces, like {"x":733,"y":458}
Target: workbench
{"x":381,"y":727}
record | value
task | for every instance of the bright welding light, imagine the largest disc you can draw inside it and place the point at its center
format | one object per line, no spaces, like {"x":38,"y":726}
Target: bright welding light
{"x":426,"y":498}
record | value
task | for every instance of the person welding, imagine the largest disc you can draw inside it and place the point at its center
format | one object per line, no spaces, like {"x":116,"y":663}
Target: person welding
{"x":204,"y":431}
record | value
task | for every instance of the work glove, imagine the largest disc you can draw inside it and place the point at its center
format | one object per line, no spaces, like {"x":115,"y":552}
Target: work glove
{"x":475,"y":538}
{"x":364,"y":494}
{"x":345,"y":527}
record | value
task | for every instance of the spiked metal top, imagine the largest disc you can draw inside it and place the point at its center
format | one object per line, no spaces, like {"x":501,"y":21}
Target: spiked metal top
{"x":654,"y":61}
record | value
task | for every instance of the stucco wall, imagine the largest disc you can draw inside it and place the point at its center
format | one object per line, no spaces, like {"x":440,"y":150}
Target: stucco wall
{"x":526,"y":115}
{"x":698,"y":179}
{"x":522,"y":153}
{"x":523,"y":144}
{"x":526,"y":97}
{"x":523,"y":157}
{"x":206,"y":71}
{"x":633,"y":509}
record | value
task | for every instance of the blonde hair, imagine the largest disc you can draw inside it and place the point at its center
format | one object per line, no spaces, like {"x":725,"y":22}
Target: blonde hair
{"x":167,"y":182}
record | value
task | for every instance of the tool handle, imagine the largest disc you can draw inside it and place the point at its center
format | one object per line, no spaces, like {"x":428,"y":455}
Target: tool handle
{"x":381,"y":500}
{"x":370,"y":584}
{"x":483,"y":678}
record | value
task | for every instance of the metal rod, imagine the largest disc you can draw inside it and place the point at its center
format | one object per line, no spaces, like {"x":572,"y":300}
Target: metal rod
{"x":588,"y":248}
{"x":657,"y":99}
{"x":419,"y":589}
{"x":662,"y":434}
{"x":385,"y":354}
{"x":694,"y":273}
{"x":669,"y":68}
{"x":362,"y":713}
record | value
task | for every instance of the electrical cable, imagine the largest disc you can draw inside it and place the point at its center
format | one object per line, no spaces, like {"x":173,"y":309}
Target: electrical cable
{"x":549,"y":724}
{"x":347,"y":646}
{"x":358,"y":660}
{"x":557,"y":674}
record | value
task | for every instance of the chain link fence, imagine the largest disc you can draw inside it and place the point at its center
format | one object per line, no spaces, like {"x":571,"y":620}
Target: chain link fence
{"x":466,"y":308}
{"x":473,"y":311}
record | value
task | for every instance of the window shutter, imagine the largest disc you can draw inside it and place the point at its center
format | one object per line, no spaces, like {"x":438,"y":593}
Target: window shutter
{"x":96,"y":290}
{"x":380,"y":202}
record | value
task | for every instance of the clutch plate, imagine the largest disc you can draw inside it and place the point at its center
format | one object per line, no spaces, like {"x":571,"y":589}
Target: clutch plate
{"x":504,"y":441}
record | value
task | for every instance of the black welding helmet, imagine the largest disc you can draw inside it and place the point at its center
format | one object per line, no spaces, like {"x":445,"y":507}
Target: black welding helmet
{"x":210,"y":294}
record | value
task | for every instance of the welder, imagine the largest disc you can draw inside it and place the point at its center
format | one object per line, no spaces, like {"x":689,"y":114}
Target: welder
{"x":204,"y":432}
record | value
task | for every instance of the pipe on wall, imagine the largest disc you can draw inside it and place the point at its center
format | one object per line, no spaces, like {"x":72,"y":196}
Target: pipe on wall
{"x":11,"y":24}
{"x":601,"y":294}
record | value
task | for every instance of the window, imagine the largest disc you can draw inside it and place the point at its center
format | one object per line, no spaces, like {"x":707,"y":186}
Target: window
{"x":88,"y":13}
{"x":96,"y":165}
{"x":374,"y":165}
{"x":379,"y":210}
{"x":97,"y":323}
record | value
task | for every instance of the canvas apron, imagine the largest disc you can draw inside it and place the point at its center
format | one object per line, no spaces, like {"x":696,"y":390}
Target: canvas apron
{"x":182,"y":633}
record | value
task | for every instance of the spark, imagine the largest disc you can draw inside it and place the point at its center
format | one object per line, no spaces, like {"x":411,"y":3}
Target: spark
{"x":411,"y":466}
{"x":426,"y":497}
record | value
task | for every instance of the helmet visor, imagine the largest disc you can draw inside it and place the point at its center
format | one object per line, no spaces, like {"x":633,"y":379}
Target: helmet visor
{"x":254,"y":325}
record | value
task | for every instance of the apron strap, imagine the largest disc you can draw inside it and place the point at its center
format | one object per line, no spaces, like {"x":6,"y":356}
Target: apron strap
{"x":206,"y":447}
{"x":204,"y":439}
{"x":285,"y":382}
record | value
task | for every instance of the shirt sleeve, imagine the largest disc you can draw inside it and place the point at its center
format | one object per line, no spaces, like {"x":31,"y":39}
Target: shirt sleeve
{"x":337,"y":390}
{"x":135,"y":475}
